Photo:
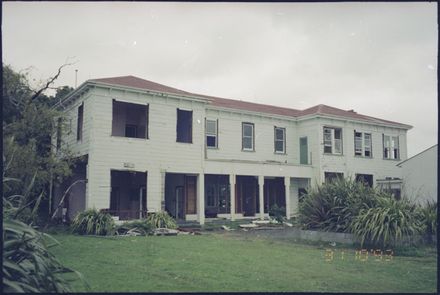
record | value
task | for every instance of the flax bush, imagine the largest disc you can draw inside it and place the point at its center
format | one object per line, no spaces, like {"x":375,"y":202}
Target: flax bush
{"x":332,"y":206}
{"x":391,"y":222}
{"x":93,"y":222}
{"x":428,"y":214}
{"x":161,"y":220}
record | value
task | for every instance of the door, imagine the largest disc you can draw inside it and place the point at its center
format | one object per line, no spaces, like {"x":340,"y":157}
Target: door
{"x":180,"y":203}
{"x":191,"y":194}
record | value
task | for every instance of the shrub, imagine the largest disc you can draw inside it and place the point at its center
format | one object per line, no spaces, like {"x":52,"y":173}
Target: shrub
{"x":332,"y":206}
{"x":278,"y":213}
{"x":428,"y":214}
{"x":142,"y":226}
{"x":161,"y":220}
{"x":387,"y":224}
{"x":93,"y":222}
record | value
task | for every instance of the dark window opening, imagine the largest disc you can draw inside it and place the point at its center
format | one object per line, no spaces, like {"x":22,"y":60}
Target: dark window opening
{"x":366,"y":179}
{"x":130,"y":120}
{"x":59,"y":133}
{"x":79,"y":129}
{"x":332,"y":176}
{"x":184,"y":126}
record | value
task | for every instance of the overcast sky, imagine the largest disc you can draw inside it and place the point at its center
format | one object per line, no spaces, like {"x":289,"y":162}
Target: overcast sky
{"x":379,"y":59}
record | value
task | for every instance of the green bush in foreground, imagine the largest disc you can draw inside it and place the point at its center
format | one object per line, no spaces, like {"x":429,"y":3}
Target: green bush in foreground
{"x":332,"y":206}
{"x":278,"y":213}
{"x":161,"y":220}
{"x":387,"y":224}
{"x":428,"y":214}
{"x":93,"y":222}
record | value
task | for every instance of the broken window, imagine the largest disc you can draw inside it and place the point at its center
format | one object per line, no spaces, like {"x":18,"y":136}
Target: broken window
{"x":391,"y":147}
{"x":130,"y":120}
{"x":184,"y":126}
{"x":247,"y":136}
{"x":280,"y":140}
{"x":366,"y":179}
{"x":332,"y":140}
{"x":332,"y":176}
{"x":211,"y":133}
{"x":79,"y":126}
{"x":362,"y":144}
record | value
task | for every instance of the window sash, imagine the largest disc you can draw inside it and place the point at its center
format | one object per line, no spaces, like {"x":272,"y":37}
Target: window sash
{"x":211,"y":133}
{"x":248,"y":136}
{"x":280,"y":140}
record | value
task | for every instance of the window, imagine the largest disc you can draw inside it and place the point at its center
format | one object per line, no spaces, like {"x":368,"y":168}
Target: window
{"x":248,"y":136}
{"x":303,"y":151}
{"x":362,"y":144}
{"x":391,"y":185}
{"x":59,"y":132}
{"x":280,"y":140}
{"x":332,"y":176}
{"x":366,"y":179}
{"x":184,"y":126}
{"x":332,"y":140}
{"x":79,"y":126}
{"x":391,"y":147}
{"x":211,"y":133}
{"x":129,"y":120}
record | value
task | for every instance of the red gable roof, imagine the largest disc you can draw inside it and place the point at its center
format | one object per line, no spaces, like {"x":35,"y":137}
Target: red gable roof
{"x":131,"y":81}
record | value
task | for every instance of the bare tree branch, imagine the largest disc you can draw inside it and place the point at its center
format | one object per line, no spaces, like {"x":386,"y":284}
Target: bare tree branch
{"x":50,"y":81}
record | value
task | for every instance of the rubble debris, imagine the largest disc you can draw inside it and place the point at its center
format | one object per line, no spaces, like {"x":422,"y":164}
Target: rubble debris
{"x":165,"y":232}
{"x":250,"y":225}
{"x":261,"y":221}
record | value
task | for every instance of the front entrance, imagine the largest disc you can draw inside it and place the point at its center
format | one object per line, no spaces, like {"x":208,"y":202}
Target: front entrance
{"x":180,"y":195}
{"x":247,"y":200}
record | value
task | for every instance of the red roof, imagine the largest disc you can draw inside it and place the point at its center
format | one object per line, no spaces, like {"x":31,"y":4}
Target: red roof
{"x":131,"y":81}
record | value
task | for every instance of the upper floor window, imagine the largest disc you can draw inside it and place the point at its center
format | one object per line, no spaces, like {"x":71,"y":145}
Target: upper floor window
{"x":211,"y":133}
{"x":280,"y":140}
{"x":303,"y":151}
{"x":184,"y":126}
{"x":332,"y":140}
{"x":247,"y":137}
{"x":79,"y":125}
{"x":391,"y":147}
{"x":362,"y":144}
{"x":129,"y":120}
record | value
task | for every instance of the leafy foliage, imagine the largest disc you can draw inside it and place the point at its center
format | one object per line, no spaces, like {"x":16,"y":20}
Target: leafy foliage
{"x":161,"y":220}
{"x":332,"y":206}
{"x":428,"y":214}
{"x":278,"y":213}
{"x":388,"y":223}
{"x":93,"y":222}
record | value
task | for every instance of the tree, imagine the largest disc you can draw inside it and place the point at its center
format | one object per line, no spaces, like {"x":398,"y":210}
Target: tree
{"x":28,"y":128}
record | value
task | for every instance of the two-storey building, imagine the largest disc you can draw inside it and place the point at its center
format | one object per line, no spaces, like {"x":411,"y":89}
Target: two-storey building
{"x":143,"y":146}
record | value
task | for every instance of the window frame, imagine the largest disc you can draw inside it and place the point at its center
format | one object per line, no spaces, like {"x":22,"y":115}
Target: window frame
{"x":283,"y":129}
{"x":327,"y":130}
{"x":389,"y":150}
{"x":363,"y":147}
{"x":215,"y":135}
{"x":252,"y":149}
{"x":190,"y":140}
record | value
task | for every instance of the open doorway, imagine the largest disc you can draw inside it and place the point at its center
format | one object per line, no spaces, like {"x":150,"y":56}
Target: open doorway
{"x":217,"y":195}
{"x":128,"y":197}
{"x":274,"y":193}
{"x":180,"y":195}
{"x":247,"y":200}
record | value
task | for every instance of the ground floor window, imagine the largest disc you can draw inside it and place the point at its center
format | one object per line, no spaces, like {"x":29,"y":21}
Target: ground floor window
{"x":367,"y":179}
{"x":391,"y":185}
{"x":332,"y":176}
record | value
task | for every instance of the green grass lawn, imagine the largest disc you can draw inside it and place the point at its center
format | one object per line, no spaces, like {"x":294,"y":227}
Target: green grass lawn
{"x":228,"y":262}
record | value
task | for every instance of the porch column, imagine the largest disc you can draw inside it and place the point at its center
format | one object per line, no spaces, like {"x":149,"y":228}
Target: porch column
{"x":201,"y":199}
{"x":261,"y":195}
{"x":232,"y":195}
{"x":287,"y":193}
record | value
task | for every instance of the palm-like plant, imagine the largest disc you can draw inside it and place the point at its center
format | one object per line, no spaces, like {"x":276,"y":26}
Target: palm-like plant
{"x":388,"y":223}
{"x":161,"y":220}
{"x":93,"y":222}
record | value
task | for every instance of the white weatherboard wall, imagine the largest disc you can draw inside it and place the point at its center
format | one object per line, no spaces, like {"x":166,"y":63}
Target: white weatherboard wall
{"x":420,"y":176}
{"x":348,"y":163}
{"x":158,"y":154}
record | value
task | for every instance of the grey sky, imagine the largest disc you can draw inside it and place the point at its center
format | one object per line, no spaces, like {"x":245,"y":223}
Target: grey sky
{"x":379,"y":59}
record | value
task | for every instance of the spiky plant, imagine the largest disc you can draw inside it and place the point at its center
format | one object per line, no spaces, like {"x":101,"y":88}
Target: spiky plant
{"x":387,"y":224}
{"x":161,"y":220}
{"x":428,"y":213}
{"x":93,"y":222}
